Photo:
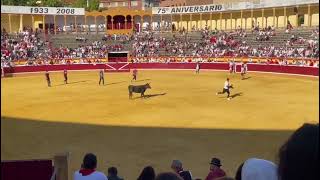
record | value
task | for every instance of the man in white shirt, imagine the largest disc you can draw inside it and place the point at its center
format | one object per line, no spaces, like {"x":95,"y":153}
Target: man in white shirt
{"x":87,"y":171}
{"x":197,"y":67}
{"x":244,"y":69}
{"x":226,"y":88}
{"x":230,"y":66}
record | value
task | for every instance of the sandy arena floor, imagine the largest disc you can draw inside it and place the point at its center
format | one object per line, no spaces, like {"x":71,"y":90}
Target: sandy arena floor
{"x":181,"y":118}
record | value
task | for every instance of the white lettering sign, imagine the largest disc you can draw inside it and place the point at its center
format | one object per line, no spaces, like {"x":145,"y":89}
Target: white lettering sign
{"x":42,"y":10}
{"x":188,"y":9}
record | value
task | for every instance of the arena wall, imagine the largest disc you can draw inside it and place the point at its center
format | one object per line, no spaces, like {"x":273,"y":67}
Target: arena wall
{"x":299,"y":70}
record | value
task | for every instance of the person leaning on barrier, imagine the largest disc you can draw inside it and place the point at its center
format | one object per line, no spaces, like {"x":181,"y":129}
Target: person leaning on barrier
{"x":215,"y":170}
{"x":176,"y":166}
{"x":147,"y":173}
{"x":113,"y":174}
{"x":88,"y":169}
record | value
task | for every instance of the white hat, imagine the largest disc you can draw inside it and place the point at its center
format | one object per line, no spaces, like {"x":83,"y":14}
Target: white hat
{"x":259,"y":169}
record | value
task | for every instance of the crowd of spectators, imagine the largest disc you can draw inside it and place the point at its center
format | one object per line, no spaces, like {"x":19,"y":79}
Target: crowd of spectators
{"x":145,"y":44}
{"x":27,"y":45}
{"x":23,"y":45}
{"x":220,"y":44}
{"x":116,"y":37}
{"x":81,"y":39}
{"x":298,"y":159}
{"x":265,"y":34}
{"x":96,"y":49}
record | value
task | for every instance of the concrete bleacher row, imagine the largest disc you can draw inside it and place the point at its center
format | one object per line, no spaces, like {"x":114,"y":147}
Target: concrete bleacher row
{"x":280,"y":40}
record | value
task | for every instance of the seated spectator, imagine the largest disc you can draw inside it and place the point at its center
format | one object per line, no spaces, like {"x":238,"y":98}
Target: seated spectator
{"x":176,"y":166}
{"x":88,"y":169}
{"x":299,"y":156}
{"x":215,"y":170}
{"x":147,"y":173}
{"x":168,"y":176}
{"x":257,"y":169}
{"x":113,"y":174}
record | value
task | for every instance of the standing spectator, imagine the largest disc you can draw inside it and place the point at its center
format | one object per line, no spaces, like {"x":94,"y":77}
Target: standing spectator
{"x":65,"y":75}
{"x":299,"y":156}
{"x":101,"y":76}
{"x":215,"y":170}
{"x":134,"y":74}
{"x":197,"y":67}
{"x":147,"y":174}
{"x":48,"y":79}
{"x":289,"y":26}
{"x":88,"y":170}
{"x":257,"y":169}
{"x":113,"y":174}
{"x":176,"y":166}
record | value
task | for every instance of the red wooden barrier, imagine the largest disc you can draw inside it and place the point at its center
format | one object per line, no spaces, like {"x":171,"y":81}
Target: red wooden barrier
{"x":29,"y":169}
{"x":312,"y":71}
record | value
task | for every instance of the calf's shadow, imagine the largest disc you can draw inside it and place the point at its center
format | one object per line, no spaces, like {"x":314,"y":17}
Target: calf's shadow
{"x":147,"y":96}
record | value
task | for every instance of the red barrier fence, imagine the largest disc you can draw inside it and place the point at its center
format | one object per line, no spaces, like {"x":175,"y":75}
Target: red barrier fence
{"x":311,"y":71}
{"x":30,"y":169}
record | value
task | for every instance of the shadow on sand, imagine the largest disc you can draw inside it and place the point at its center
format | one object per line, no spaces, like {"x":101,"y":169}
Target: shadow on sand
{"x":141,"y":80}
{"x":115,"y":83}
{"x":149,"y":96}
{"x":246,"y":78}
{"x":236,"y":95}
{"x":76,"y":82}
{"x":35,"y":139}
{"x":23,"y":138}
{"x":233,"y":95}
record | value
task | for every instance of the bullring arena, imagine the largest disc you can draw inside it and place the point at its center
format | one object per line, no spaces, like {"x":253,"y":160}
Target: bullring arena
{"x":180,"y":117}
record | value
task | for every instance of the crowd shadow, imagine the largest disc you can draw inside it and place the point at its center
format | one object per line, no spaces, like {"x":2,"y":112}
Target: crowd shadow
{"x":23,"y":138}
{"x":149,"y":96}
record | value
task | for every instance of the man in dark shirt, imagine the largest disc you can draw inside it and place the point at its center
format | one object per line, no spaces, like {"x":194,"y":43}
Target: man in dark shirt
{"x":101,"y":75}
{"x":65,"y":74}
{"x":177,"y":168}
{"x":215,"y":170}
{"x":113,"y":174}
{"x":48,"y":79}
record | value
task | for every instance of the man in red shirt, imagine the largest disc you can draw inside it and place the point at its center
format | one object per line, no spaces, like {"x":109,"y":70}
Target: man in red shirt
{"x":65,"y":74}
{"x":48,"y":78}
{"x":215,"y":170}
{"x":134,"y":74}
